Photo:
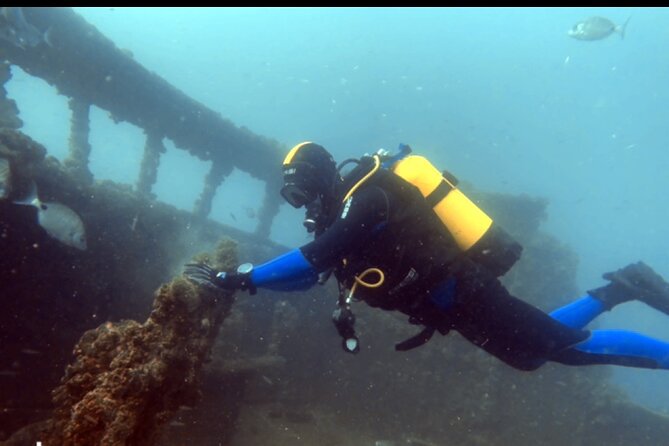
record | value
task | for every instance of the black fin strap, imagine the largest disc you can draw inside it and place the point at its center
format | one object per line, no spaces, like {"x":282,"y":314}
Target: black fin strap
{"x":416,"y":340}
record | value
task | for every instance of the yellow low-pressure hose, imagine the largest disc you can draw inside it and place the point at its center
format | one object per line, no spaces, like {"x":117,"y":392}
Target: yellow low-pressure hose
{"x":377,"y":164}
{"x":359,"y":281}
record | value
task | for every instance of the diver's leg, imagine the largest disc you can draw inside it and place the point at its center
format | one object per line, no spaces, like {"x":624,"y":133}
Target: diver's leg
{"x":514,"y":331}
{"x":636,"y":281}
{"x":617,"y":347}
{"x":579,"y":313}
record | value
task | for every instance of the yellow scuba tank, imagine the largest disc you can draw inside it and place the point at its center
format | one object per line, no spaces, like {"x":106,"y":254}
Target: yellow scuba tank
{"x":473,"y":230}
{"x":464,"y":220}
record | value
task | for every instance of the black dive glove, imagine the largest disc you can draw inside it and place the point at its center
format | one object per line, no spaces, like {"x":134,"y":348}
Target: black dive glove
{"x":204,"y":274}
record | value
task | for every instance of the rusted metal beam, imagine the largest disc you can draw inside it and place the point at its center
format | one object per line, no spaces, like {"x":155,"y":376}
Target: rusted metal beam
{"x":83,"y":64}
{"x":80,"y":147}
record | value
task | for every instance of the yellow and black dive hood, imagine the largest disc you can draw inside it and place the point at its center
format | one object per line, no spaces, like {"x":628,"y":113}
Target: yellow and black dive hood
{"x":308,"y":172}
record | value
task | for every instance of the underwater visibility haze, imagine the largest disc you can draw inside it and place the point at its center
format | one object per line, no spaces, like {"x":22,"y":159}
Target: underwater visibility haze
{"x":568,"y":105}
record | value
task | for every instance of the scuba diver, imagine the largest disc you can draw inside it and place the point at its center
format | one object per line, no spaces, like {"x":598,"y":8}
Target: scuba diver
{"x":398,"y":234}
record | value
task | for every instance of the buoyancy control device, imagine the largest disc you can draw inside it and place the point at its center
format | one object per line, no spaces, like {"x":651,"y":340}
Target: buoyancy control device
{"x":474,"y":231}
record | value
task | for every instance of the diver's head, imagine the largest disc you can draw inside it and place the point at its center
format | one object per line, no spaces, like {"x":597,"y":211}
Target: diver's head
{"x":309,"y":173}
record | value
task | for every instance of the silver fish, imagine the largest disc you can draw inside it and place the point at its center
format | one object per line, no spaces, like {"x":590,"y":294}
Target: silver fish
{"x":597,"y":28}
{"x":58,"y":220}
{"x":5,"y":178}
{"x":15,"y":29}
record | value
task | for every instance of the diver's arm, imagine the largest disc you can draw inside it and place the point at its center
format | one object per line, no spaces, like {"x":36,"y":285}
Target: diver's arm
{"x":362,"y":214}
{"x":289,"y":271}
{"x":298,"y":269}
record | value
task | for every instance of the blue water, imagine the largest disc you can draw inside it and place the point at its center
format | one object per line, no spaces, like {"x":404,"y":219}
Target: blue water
{"x":502,"y":97}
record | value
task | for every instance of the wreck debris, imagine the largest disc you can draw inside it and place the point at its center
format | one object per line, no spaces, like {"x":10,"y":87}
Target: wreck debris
{"x":128,"y":379}
{"x":52,"y":296}
{"x":148,"y":170}
{"x":85,"y":65}
{"x":269,"y":208}
{"x":80,"y":147}
{"x":9,"y":112}
{"x":214,"y":179}
{"x":26,"y":156}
